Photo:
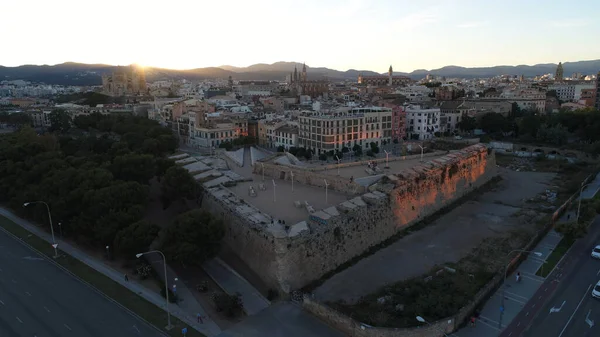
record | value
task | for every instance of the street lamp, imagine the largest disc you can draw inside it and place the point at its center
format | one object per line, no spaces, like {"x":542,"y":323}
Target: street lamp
{"x":338,"y":164}
{"x":274,"y":195}
{"x":422,"y":320}
{"x":263,"y":170}
{"x":169,"y":326}
{"x":422,"y":148}
{"x":387,"y":159}
{"x":579,"y":202}
{"x":504,"y":279}
{"x":50,"y":218}
{"x":326,"y":185}
{"x":292,"y":175}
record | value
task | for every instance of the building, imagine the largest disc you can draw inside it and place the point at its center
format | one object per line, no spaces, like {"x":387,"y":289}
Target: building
{"x":422,"y":123}
{"x":358,"y":126}
{"x":570,"y":92}
{"x":215,"y":131}
{"x":255,"y":88}
{"x":559,"y":72}
{"x":286,"y":136}
{"x":597,"y":103}
{"x":300,"y":85}
{"x":452,"y":112}
{"x":266,"y":131}
{"x":125,"y":81}
{"x":382,"y":80}
{"x":485,"y":106}
{"x":587,"y":97}
{"x":398,"y":117}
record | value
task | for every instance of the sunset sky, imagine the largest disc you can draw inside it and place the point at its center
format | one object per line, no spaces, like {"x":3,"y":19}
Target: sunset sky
{"x":358,"y":34}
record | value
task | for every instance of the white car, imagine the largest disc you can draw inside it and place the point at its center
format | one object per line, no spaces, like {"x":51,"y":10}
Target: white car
{"x":596,"y":252}
{"x":596,"y":290}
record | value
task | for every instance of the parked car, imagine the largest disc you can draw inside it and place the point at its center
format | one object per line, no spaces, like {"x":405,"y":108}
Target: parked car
{"x":596,"y":252}
{"x":596,"y":290}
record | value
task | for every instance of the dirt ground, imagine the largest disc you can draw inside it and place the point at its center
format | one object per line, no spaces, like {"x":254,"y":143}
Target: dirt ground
{"x":507,"y":207}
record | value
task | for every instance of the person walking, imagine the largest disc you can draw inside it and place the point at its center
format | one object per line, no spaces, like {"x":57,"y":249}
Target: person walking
{"x":199,"y":318}
{"x":472,"y":321}
{"x":518,"y":276}
{"x":126,"y":278}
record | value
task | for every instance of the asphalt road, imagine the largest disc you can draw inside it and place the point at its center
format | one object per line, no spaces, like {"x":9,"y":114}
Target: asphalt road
{"x":573,"y":284}
{"x":37,"y":299}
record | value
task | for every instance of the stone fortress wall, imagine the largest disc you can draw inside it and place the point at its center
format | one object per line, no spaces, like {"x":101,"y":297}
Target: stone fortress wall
{"x":290,"y":257}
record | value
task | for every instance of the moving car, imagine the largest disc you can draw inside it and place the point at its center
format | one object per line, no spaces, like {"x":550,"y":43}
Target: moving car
{"x":596,"y":290}
{"x":596,"y":252}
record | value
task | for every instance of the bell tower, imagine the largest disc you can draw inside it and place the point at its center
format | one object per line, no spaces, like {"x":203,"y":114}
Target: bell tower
{"x":390,"y":75}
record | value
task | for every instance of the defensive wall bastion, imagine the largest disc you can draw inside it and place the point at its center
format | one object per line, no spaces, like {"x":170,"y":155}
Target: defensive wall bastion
{"x":289,"y":257}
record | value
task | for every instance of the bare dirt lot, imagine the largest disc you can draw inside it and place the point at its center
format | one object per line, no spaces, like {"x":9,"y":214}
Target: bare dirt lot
{"x":505,"y":208}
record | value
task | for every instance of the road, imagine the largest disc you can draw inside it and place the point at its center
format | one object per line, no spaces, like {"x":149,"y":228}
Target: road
{"x":38,"y":299}
{"x":571,"y":285}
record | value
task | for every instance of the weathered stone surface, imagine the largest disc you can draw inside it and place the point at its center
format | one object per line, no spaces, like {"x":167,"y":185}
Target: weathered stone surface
{"x":303,"y":253}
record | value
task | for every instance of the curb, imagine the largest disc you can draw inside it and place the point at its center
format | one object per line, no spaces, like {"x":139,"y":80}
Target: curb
{"x":96,"y":290}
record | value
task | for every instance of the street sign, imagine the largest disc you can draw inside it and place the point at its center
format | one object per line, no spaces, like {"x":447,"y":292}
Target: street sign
{"x":501,"y":308}
{"x":54,"y":245}
{"x":184,"y":331}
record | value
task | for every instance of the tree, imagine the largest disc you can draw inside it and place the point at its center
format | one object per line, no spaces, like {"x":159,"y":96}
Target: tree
{"x":280,"y":148}
{"x":396,"y":141}
{"x":134,"y":167}
{"x":357,"y":149}
{"x":178,"y":185}
{"x":135,"y":238}
{"x":60,"y":120}
{"x":226,"y":145}
{"x":230,"y":304}
{"x":323,"y":156}
{"x":556,"y":135}
{"x":345,"y":149}
{"x":494,"y":123}
{"x":528,"y":125}
{"x":194,"y":237}
{"x":467,"y":124}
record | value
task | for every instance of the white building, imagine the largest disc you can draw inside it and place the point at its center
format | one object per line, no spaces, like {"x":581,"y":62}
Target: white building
{"x":569,"y":92}
{"x":329,"y":132}
{"x":422,"y":124}
{"x":286,"y":136}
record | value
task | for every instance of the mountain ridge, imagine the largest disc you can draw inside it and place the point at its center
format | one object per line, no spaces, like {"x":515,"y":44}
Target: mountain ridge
{"x":73,"y":73}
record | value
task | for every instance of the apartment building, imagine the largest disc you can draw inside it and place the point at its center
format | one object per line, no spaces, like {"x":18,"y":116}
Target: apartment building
{"x":422,"y":123}
{"x":286,"y":136}
{"x":452,"y":112}
{"x":266,"y":131}
{"x":567,"y":92}
{"x":209,"y":132}
{"x":330,"y":132}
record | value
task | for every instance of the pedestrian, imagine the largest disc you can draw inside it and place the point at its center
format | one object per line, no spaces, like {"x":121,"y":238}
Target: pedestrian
{"x":518,"y":276}
{"x":126,"y":278}
{"x":199,"y":318}
{"x":472,"y":320}
{"x":568,"y":217}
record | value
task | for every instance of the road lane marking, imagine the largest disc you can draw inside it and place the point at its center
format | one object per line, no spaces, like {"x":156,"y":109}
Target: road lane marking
{"x":136,"y":329}
{"x":28,"y":294}
{"x":68,"y":327}
{"x":598,"y":273}
{"x":487,"y":324}
{"x":20,"y":321}
{"x":517,"y":295}
{"x":48,"y":310}
{"x":2,"y":303}
{"x":574,"y":312}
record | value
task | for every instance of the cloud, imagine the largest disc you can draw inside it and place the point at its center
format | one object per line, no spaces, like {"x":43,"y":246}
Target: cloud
{"x":569,"y":23}
{"x":419,"y":19}
{"x":471,"y":24}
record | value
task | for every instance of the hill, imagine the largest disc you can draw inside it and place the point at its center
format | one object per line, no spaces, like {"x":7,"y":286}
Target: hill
{"x":71,"y":73}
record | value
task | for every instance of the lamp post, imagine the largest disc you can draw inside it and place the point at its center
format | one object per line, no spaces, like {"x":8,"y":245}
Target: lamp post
{"x":338,"y":164}
{"x":326,"y":185}
{"x":292,"y":175}
{"x":579,"y":202}
{"x":422,"y":148}
{"x":387,"y":159}
{"x":169,"y":326}
{"x":60,"y":230}
{"x":263,"y":170}
{"x":504,"y":279}
{"x":422,"y":320}
{"x":51,"y":226}
{"x":274,"y":195}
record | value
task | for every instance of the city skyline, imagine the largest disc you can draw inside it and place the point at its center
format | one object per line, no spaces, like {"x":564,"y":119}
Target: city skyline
{"x":363,"y":35}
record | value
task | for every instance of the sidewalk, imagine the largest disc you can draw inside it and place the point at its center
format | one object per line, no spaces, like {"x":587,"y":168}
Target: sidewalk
{"x":496,"y":315}
{"x":187,"y":309}
{"x":517,"y":295}
{"x":232,"y":282}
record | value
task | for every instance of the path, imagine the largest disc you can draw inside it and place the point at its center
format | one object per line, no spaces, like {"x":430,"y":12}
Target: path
{"x":185,"y":312}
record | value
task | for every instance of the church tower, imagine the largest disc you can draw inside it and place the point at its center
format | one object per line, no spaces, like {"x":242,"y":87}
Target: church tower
{"x":295,"y":75}
{"x":559,"y":72}
{"x":304,"y":77}
{"x":390,"y":75}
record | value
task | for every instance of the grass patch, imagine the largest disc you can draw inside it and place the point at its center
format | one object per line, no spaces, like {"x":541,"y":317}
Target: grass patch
{"x":558,"y":252}
{"x":112,"y":289}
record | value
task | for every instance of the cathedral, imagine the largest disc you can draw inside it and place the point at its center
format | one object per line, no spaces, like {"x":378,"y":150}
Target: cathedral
{"x":125,"y":81}
{"x":559,"y":72}
{"x":300,"y":84}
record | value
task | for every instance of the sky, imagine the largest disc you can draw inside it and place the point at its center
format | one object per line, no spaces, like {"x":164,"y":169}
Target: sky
{"x":338,"y":34}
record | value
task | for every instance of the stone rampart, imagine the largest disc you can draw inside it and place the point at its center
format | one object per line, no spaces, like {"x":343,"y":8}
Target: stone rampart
{"x":289,"y":258}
